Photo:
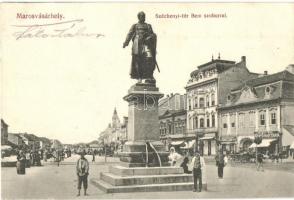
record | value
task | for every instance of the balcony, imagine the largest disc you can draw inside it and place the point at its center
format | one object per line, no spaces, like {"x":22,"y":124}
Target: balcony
{"x":199,"y":111}
{"x":202,"y":130}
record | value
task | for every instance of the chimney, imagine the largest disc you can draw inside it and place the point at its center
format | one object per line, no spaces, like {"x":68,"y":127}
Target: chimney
{"x":171,"y":94}
{"x":243,"y":59}
{"x":265,"y":73}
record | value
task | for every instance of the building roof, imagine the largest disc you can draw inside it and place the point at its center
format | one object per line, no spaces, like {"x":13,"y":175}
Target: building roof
{"x":172,"y":102}
{"x":15,"y":134}
{"x":283,"y":75}
{"x":220,"y":65}
{"x":290,"y":129}
{"x":170,"y":113}
{"x":3,"y":123}
{"x":254,"y":90}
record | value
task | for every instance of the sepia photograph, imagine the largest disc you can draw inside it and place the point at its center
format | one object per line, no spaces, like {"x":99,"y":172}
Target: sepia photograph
{"x":139,"y":100}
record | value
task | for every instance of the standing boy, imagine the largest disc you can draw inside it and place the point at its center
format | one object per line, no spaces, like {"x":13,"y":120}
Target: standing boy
{"x":82,"y":173}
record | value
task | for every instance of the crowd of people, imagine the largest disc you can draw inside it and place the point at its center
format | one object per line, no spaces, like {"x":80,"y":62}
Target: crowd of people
{"x":33,"y":157}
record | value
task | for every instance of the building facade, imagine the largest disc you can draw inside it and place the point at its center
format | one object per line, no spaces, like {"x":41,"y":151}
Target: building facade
{"x":206,"y":90}
{"x":116,"y":132}
{"x":4,"y":132}
{"x":172,"y":120}
{"x":263,"y":106}
{"x":15,"y":139}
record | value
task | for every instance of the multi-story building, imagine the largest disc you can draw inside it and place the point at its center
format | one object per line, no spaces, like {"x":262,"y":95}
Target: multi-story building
{"x":4,"y":132}
{"x":15,"y":139}
{"x":172,"y":120}
{"x":206,"y":89}
{"x":262,"y":106}
{"x":116,"y":132}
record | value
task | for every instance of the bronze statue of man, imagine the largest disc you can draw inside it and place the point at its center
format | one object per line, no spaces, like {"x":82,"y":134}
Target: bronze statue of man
{"x":143,"y":50}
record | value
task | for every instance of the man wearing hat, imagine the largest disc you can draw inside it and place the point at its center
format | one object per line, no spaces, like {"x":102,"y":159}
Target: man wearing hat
{"x":198,"y":166}
{"x":82,"y":173}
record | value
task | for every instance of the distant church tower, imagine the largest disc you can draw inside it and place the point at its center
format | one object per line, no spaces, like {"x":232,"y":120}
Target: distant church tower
{"x":115,"y":120}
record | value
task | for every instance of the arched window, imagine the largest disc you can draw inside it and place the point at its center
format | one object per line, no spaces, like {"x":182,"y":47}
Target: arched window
{"x":267,"y":90}
{"x":207,"y":100}
{"x":189,"y":104}
{"x":195,"y":102}
{"x":196,"y":122}
{"x":169,"y":128}
{"x":207,"y":122}
{"x":262,"y":118}
{"x":229,"y":97}
{"x":273,"y":116}
{"x":201,"y":102}
{"x":212,"y":99}
{"x":212,"y":120}
{"x":190,"y":122}
{"x":201,"y":123}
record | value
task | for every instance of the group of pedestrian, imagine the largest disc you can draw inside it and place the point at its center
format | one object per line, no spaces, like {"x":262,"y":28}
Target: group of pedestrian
{"x":26,"y":159}
{"x":197,"y":165}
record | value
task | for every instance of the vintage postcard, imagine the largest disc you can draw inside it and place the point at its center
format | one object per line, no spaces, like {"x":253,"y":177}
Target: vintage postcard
{"x":137,"y":100}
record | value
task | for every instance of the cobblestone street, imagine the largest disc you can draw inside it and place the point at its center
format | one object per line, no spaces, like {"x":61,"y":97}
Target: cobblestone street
{"x":51,"y":181}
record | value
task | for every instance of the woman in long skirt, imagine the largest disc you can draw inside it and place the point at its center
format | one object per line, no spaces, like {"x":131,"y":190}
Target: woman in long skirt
{"x":21,"y":163}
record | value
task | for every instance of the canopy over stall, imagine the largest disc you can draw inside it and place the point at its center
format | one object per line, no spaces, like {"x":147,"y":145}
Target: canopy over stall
{"x":189,"y":144}
{"x":264,"y":143}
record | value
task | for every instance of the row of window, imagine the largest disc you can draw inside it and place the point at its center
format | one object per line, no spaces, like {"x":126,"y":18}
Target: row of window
{"x":202,"y":103}
{"x":167,"y":128}
{"x":262,"y":120}
{"x":201,"y":121}
{"x":204,"y":74}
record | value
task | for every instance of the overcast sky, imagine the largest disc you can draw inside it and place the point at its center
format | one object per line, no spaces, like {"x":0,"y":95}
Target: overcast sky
{"x":67,"y":88}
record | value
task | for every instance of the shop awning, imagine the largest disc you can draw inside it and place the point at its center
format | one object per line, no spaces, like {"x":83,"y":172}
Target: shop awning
{"x":207,"y":138}
{"x":292,"y":145}
{"x":4,"y":147}
{"x":264,"y":143}
{"x":176,"y":143}
{"x":189,"y":145}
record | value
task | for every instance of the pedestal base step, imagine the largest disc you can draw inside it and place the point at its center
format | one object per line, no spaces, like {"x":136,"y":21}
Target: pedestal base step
{"x":137,"y":171}
{"x":116,"y":180}
{"x":108,"y":188}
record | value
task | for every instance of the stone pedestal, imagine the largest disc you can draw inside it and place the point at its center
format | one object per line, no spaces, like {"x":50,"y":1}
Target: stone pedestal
{"x":121,"y":179}
{"x":143,"y":128}
{"x":141,"y":169}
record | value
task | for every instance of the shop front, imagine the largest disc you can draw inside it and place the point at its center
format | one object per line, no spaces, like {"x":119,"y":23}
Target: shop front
{"x":270,"y":144}
{"x":288,"y":141}
{"x":207,"y":144}
{"x":244,"y":142}
{"x":291,"y":148}
{"x":228,"y":144}
{"x":189,"y":146}
{"x":177,"y":144}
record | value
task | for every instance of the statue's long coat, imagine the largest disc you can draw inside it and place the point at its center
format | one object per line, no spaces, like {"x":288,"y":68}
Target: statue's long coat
{"x":138,"y":34}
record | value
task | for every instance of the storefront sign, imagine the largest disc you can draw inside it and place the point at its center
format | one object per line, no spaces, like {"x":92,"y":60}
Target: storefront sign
{"x":267,"y":134}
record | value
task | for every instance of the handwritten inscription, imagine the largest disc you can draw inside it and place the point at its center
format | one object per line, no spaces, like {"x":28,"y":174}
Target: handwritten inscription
{"x":63,"y":29}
